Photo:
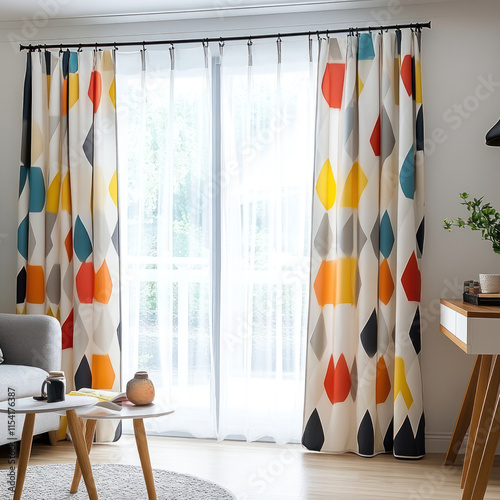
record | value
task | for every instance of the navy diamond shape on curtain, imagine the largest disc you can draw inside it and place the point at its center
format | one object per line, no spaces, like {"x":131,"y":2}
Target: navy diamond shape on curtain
{"x":420,"y":238}
{"x":21,"y":286}
{"x":366,"y":436}
{"x":369,"y":335}
{"x":415,"y":331}
{"x":389,"y":437}
{"x":313,"y":437}
{"x":83,"y":376}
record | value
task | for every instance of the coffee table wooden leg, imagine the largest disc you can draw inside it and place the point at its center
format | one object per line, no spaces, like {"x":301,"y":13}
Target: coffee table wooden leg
{"x":464,"y":417}
{"x":142,"y":448}
{"x":482,"y":384}
{"x":89,"y":439}
{"x":24,"y":453}
{"x":81,"y":453}
{"x":485,"y":422}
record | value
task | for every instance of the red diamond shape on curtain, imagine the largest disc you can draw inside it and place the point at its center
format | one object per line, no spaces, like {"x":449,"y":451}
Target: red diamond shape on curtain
{"x":411,"y":280}
{"x":375,"y":138}
{"x":337,"y":380}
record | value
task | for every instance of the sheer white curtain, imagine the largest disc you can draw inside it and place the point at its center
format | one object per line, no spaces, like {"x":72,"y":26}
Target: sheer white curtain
{"x":237,"y":371}
{"x":164,"y":134}
{"x":268,"y":99}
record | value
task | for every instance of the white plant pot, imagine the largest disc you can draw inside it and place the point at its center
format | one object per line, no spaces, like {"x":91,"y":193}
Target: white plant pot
{"x":490,"y":283}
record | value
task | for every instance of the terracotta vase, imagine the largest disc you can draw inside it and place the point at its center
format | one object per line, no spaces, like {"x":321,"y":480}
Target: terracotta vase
{"x":140,"y":389}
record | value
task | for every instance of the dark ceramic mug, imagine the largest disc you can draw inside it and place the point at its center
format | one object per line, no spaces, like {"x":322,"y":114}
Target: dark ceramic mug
{"x":56,"y":387}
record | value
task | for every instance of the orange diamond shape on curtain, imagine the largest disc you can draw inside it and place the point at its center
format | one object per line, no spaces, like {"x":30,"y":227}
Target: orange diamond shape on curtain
{"x":333,"y":84}
{"x":103,"y":375}
{"x":385,"y":283}
{"x":354,"y":186}
{"x":383,"y":388}
{"x":411,"y":279}
{"x":68,"y":245}
{"x":406,"y":74}
{"x":85,"y":283}
{"x":335,"y":282}
{"x":326,"y":186}
{"x":103,"y":286}
{"x":35,"y":284}
{"x":337,"y":381}
{"x":95,"y":89}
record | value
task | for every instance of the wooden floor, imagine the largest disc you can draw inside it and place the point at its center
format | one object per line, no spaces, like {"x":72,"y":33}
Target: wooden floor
{"x":260,"y":471}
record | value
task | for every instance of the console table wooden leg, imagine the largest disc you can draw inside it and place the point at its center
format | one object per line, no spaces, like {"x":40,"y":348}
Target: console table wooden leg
{"x":89,"y":439}
{"x":142,"y":448}
{"x":483,"y":429}
{"x":81,"y":453}
{"x":24,"y":453}
{"x":464,"y":417}
{"x":488,"y":457}
{"x":482,"y":384}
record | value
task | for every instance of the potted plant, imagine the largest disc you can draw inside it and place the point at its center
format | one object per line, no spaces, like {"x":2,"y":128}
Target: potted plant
{"x":483,"y":217}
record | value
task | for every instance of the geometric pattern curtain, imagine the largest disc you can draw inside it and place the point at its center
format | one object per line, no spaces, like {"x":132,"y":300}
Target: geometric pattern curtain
{"x":363,"y":380}
{"x":68,"y":254}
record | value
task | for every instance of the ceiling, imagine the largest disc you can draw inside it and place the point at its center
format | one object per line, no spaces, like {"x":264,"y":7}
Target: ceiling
{"x":21,"y":10}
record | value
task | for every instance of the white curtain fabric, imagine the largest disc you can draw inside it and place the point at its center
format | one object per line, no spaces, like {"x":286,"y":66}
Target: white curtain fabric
{"x":268,"y":98}
{"x":164,"y":135}
{"x":215,"y":291}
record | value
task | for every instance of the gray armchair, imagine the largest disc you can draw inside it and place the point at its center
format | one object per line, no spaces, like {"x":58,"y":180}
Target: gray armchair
{"x":31,"y":346}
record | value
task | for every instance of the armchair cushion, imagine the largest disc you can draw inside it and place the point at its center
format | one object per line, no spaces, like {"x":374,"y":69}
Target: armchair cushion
{"x":31,"y":340}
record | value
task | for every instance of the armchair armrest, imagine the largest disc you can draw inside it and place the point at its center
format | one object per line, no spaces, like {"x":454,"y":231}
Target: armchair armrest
{"x":32,"y":340}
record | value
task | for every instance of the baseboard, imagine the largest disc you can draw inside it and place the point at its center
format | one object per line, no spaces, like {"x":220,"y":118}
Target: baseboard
{"x":438,"y":442}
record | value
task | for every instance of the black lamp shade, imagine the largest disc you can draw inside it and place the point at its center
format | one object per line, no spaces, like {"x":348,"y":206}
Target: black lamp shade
{"x":493,"y":136}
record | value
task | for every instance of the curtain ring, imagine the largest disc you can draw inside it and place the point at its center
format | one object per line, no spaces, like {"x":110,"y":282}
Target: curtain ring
{"x":327,"y":34}
{"x":221,"y":48}
{"x":317,"y":34}
{"x":278,"y":46}
{"x":143,"y":45}
{"x":60,"y":49}
{"x":115,"y":46}
{"x":249,"y":43}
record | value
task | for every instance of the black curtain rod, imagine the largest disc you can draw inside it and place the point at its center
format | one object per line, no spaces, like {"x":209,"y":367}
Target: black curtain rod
{"x":221,"y":39}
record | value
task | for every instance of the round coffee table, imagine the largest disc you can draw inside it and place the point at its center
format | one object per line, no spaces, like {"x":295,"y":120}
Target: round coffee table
{"x":30,"y":408}
{"x":128,"y":411}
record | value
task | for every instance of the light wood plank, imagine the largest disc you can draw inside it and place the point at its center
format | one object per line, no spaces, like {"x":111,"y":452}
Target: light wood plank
{"x":266,"y":471}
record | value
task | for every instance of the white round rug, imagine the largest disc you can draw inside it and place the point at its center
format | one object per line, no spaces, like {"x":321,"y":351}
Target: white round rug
{"x":113,"y":482}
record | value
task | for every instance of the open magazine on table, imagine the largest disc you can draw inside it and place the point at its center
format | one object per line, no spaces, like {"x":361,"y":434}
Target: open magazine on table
{"x":109,"y":401}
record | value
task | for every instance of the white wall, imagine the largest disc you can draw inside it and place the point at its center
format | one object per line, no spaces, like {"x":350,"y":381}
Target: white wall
{"x":460,"y":51}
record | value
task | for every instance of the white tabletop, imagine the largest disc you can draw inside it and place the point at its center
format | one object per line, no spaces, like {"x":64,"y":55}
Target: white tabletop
{"x":29,"y":405}
{"x":128,"y":411}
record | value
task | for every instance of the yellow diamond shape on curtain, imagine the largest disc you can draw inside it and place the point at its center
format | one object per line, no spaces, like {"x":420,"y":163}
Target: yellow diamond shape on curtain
{"x":52,"y":204}
{"x":400,"y":383}
{"x":354,"y":186}
{"x":326,"y":186}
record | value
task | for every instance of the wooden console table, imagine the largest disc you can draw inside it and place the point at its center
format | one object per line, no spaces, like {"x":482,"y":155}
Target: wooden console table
{"x":476,"y":330}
